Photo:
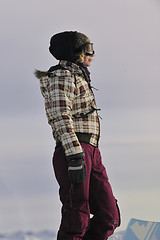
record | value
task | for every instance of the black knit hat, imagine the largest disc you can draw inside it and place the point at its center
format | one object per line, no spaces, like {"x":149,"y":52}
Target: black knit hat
{"x":63,"y":45}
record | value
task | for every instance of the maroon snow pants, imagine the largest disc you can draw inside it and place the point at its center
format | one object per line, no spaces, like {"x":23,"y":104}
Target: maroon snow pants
{"x":94,"y":196}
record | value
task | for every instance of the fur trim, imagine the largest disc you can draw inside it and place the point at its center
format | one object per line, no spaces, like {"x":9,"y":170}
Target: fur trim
{"x":39,"y":74}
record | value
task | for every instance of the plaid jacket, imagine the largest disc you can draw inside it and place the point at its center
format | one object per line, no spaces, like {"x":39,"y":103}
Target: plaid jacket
{"x":70,"y":106}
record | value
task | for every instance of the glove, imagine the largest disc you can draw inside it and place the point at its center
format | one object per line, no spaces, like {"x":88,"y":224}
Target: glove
{"x":76,"y":168}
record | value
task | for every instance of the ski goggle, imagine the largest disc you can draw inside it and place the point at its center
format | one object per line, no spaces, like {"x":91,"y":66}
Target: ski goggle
{"x":88,"y":49}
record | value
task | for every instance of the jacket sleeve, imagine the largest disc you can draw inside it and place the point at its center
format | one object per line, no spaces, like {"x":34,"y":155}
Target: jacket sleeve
{"x":59,"y":97}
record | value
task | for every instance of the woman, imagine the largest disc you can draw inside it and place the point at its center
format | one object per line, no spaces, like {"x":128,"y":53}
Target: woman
{"x":72,"y":113}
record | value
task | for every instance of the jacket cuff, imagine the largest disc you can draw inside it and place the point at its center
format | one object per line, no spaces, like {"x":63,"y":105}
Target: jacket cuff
{"x":75,"y":156}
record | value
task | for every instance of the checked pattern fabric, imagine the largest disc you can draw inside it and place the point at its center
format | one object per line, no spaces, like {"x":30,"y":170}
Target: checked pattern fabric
{"x":70,"y":106}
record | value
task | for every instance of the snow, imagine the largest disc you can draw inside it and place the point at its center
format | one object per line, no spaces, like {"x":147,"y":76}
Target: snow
{"x":43,"y":235}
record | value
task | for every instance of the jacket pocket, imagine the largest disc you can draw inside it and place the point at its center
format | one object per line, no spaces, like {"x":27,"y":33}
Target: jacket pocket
{"x":84,"y":113}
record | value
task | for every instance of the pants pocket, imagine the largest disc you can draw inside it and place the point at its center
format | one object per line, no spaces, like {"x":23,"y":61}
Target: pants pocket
{"x":75,"y":219}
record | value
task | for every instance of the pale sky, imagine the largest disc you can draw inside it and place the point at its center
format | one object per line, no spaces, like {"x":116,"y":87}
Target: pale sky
{"x":126,"y":70}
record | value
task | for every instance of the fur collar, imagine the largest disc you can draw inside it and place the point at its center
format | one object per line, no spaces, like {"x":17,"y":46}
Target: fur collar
{"x":63,"y":65}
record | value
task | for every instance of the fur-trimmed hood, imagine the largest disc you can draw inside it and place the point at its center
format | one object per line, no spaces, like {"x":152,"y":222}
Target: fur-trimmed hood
{"x":39,"y":74}
{"x":63,"y":68}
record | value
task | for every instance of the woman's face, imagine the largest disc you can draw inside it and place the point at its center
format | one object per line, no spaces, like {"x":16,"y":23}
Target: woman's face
{"x":87,"y":60}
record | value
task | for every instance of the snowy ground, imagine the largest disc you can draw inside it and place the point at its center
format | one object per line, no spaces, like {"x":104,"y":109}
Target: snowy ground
{"x":43,"y":235}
